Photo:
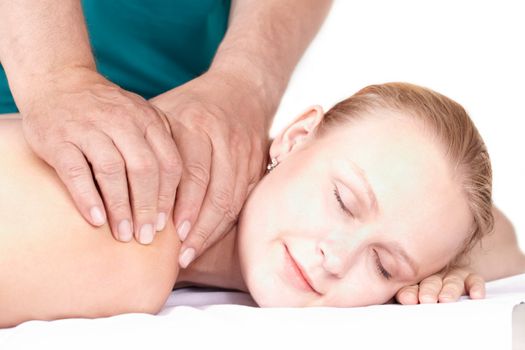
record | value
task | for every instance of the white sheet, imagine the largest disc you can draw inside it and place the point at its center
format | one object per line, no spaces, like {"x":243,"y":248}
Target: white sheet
{"x":199,"y":318}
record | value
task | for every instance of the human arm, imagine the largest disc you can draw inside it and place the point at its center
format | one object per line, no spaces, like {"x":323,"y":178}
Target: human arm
{"x":220,"y":120}
{"x":87,"y":128}
{"x":55,"y":265}
{"x":497,"y":256}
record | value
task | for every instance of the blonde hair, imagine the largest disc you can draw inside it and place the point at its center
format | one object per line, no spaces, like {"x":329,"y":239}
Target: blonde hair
{"x":451,"y":125}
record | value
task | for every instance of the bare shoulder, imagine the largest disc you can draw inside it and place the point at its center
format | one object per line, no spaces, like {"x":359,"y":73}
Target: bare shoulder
{"x":12,"y":142}
{"x":57,"y":265}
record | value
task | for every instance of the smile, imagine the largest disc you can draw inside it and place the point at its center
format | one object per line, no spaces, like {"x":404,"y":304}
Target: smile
{"x":295,"y":274}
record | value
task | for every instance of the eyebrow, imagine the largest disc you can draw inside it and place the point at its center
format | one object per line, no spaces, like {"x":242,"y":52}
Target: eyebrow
{"x":397,"y":249}
{"x":373,"y":205}
{"x":371,"y":198}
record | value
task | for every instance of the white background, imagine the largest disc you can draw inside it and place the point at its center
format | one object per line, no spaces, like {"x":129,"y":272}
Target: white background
{"x":471,"y":51}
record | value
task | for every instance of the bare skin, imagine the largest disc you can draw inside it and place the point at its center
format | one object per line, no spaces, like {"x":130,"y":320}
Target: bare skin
{"x":80,"y":271}
{"x":485,"y":259}
{"x":76,"y":268}
{"x":72,"y":113}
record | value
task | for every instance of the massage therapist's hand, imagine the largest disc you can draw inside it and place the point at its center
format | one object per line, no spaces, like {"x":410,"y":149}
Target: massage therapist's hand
{"x":222,"y":142}
{"x":444,"y":287}
{"x":111,"y":148}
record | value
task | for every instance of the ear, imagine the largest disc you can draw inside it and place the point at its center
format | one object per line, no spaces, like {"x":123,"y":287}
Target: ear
{"x":296,"y":133}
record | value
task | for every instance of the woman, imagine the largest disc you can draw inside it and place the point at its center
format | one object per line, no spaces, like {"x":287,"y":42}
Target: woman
{"x":390,"y":186}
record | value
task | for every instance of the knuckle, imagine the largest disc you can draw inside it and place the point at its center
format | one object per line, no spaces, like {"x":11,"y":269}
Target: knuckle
{"x":194,"y":112}
{"x":118,"y":205}
{"x":434,"y":278}
{"x":453,"y":280}
{"x":231,"y":213}
{"x":455,"y":286}
{"x":198,"y":174}
{"x":199,"y":117}
{"x":143,"y":166}
{"x":74,"y":170}
{"x":429,"y":287}
{"x":109,"y":166}
{"x":170,"y":166}
{"x":431,"y":281}
{"x":221,"y":200}
{"x":116,"y":110}
{"x":200,"y":238}
{"x":143,"y":208}
{"x":425,"y":288}
{"x":166,"y":199}
{"x":152,"y":122}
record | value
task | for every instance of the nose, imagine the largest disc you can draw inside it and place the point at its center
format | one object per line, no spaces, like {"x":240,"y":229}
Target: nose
{"x":337,"y":256}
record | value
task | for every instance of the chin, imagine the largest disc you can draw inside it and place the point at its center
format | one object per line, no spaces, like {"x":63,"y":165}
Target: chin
{"x":274,"y":301}
{"x":269,"y":292}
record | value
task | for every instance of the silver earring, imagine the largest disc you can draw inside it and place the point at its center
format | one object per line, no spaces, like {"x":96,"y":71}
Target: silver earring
{"x":272,"y":165}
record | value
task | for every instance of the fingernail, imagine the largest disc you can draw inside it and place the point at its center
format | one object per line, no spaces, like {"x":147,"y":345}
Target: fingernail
{"x":476,"y":294}
{"x":161,"y":221}
{"x":96,"y":216}
{"x":146,"y":234}
{"x":125,"y":233}
{"x":187,"y":257}
{"x":183,"y":230}
{"x":445,"y":298}
{"x":427,"y":299}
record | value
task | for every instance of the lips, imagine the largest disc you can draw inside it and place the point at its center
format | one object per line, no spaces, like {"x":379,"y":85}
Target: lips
{"x":299,"y":277}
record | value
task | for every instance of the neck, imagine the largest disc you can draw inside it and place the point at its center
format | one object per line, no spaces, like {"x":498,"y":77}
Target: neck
{"x":218,"y":266}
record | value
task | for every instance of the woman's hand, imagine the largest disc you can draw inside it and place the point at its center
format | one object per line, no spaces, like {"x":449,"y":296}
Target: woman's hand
{"x":443,"y":288}
{"x":88,"y":128}
{"x":222,"y":136}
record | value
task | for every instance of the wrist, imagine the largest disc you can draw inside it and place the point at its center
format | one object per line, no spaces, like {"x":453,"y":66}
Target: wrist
{"x":261,"y":87}
{"x":33,"y":88}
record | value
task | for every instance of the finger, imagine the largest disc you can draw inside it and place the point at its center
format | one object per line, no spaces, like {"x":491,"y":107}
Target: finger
{"x":73,"y":169}
{"x":170,"y":168}
{"x":453,"y":286}
{"x":408,"y":295}
{"x":195,"y":151}
{"x":429,"y":289}
{"x":142,"y":172}
{"x":216,"y":206}
{"x":240,"y":191}
{"x":110,"y":173}
{"x":475,"y":286}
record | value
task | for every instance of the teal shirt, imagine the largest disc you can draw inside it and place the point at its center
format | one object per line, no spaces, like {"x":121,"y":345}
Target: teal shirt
{"x":148,"y":46}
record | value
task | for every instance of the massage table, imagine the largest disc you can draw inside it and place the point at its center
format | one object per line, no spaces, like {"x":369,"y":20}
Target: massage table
{"x":218,"y":319}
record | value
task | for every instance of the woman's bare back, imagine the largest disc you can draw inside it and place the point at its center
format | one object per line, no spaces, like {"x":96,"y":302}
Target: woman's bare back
{"x":53,"y":264}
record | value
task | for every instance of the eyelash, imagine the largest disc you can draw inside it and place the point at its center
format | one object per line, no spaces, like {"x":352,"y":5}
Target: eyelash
{"x":382,"y":271}
{"x":380,"y":268}
{"x":341,"y":204}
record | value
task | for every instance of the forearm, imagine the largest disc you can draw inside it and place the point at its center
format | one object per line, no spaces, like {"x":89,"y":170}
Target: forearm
{"x":55,"y":265}
{"x":38,"y":38}
{"x":498,"y":255}
{"x":264,"y":42}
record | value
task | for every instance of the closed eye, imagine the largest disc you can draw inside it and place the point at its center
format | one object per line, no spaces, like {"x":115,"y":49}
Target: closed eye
{"x":380,"y":268}
{"x":341,"y":203}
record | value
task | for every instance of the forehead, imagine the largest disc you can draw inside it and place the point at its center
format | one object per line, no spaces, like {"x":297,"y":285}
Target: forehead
{"x":420,"y":202}
{"x":390,"y":144}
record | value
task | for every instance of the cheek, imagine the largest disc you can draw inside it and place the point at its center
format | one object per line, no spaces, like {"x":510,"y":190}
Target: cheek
{"x":362,"y":286}
{"x":255,"y":234}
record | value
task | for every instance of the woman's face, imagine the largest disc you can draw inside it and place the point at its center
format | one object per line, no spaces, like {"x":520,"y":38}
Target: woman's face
{"x":349,"y":218}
